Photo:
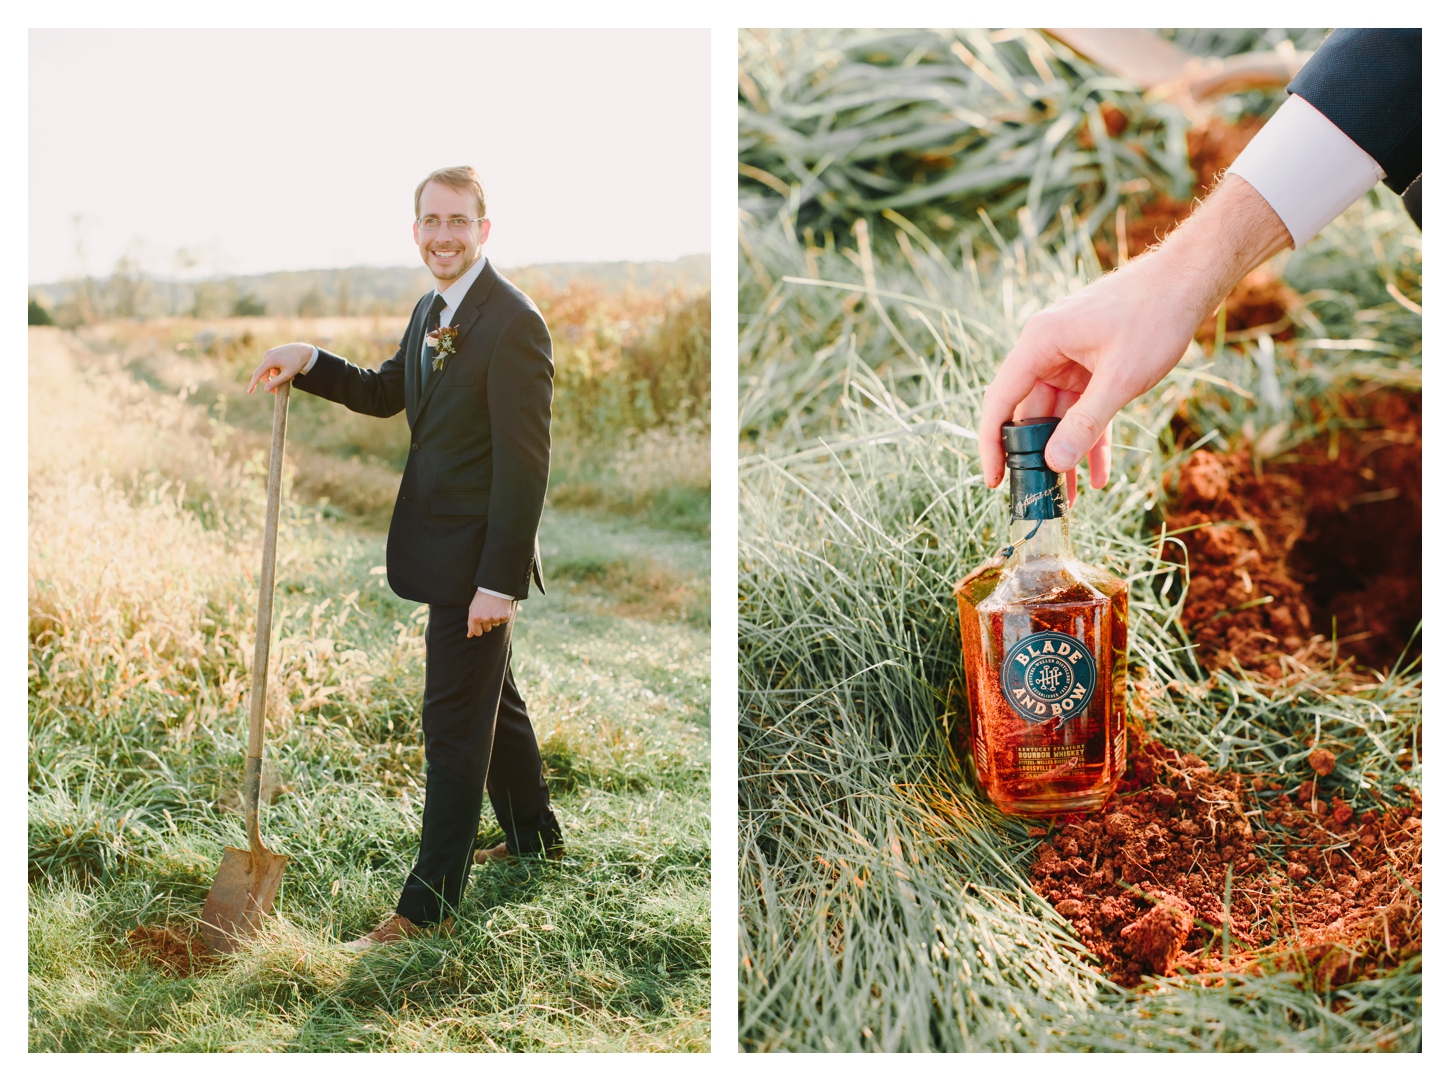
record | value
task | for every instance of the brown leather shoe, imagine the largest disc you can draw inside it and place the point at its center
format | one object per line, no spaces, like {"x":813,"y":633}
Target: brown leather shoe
{"x":395,"y":928}
{"x":500,"y":853}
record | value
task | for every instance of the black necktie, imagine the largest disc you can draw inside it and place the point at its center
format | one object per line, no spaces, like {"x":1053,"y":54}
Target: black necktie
{"x":434,"y":314}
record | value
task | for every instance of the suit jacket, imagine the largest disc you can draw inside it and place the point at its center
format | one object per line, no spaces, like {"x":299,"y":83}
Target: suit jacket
{"x":472,"y":493}
{"x":1367,"y":82}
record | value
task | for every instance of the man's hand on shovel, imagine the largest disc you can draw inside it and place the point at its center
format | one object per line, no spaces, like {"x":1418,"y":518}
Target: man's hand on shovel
{"x":279,"y":365}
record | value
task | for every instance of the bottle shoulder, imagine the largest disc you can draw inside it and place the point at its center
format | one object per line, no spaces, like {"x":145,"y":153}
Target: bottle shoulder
{"x":1051,"y":581}
{"x":980,"y":582}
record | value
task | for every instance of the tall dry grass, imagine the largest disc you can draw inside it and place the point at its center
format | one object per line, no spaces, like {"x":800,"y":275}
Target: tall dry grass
{"x":124,"y":575}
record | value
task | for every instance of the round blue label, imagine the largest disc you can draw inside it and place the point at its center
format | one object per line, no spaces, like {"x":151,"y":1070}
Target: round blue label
{"x":1049,"y":675}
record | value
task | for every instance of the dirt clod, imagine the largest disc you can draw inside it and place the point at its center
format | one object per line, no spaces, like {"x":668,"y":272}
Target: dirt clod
{"x":1155,"y":938}
{"x":1202,"y":480}
{"x":1321,"y":761}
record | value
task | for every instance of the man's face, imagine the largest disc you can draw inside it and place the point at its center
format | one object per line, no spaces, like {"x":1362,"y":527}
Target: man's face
{"x":449,"y":251}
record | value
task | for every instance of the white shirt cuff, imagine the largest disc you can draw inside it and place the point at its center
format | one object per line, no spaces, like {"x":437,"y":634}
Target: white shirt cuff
{"x":492,"y":593}
{"x":1306,"y":168}
{"x":310,"y":361}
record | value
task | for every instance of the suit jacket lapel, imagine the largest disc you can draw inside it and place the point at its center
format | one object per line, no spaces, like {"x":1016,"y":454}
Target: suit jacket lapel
{"x":466,"y":316}
{"x":472,"y":305}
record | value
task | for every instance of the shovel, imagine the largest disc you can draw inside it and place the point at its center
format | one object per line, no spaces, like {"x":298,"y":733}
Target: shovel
{"x":246,"y":884}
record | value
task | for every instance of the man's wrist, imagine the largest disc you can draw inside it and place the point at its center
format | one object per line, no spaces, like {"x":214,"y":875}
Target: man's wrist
{"x":494,"y":593}
{"x":310,"y":361}
{"x":1229,"y":235}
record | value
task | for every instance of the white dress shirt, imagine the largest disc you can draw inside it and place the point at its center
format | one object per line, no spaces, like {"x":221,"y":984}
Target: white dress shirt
{"x":452,"y":297}
{"x":1306,"y":168}
{"x":454,"y":294}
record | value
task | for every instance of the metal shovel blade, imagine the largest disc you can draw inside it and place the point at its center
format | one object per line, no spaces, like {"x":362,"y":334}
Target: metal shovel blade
{"x":242,"y":893}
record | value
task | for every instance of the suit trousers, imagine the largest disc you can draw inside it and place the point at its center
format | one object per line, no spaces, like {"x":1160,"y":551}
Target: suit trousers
{"x":476,"y":735}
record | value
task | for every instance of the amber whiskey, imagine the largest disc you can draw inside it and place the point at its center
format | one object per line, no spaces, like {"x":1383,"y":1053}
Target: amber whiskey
{"x":1044,"y":646}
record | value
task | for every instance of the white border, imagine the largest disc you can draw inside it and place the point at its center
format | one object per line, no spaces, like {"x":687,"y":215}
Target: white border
{"x":724,"y":495}
{"x":723,"y":20}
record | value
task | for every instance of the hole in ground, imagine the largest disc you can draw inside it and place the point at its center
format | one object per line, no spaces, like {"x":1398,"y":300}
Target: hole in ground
{"x":1360,"y":557}
{"x":1322,"y":542}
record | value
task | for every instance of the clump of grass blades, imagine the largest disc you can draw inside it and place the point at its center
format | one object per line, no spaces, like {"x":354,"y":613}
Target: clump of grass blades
{"x":934,"y":124}
{"x":884,"y":903}
{"x":1229,"y":41}
{"x":661,"y":473}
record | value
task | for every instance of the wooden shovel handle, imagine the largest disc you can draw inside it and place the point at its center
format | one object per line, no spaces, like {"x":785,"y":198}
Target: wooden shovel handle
{"x":251,"y":785}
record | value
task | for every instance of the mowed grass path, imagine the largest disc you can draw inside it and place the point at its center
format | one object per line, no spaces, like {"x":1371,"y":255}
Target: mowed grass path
{"x":143,"y":540}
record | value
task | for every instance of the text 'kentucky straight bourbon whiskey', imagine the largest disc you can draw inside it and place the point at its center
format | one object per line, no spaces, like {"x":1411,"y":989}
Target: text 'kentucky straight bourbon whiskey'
{"x":1044,"y":645}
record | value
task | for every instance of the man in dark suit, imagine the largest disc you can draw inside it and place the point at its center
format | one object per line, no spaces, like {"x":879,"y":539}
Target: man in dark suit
{"x":474,"y":372}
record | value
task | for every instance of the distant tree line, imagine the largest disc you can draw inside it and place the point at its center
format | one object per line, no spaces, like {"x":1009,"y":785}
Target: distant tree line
{"x":131,"y":293}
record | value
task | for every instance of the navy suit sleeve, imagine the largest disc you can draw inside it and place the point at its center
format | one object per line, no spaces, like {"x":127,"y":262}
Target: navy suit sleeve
{"x":377,"y":393}
{"x":520,"y":398}
{"x":1367,"y":82}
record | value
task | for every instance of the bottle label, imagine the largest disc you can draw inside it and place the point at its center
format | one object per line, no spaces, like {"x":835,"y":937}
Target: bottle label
{"x":1037,"y":494}
{"x":1049,"y":675}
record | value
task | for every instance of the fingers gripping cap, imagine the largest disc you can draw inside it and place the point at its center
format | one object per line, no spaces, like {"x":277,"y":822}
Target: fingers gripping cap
{"x":1025,"y":440}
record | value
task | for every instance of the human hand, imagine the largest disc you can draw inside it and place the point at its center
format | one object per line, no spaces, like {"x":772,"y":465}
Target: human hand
{"x":1084,"y":358}
{"x":1088,"y":355}
{"x":280,"y":364}
{"x":487,"y":612}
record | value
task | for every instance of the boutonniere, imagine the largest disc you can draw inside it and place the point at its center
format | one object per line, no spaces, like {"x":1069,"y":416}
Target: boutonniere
{"x":442,"y":341}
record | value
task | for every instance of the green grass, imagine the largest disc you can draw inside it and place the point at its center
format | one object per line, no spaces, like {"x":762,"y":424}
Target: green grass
{"x":941,"y":125}
{"x":885,"y":904}
{"x":138,"y":712}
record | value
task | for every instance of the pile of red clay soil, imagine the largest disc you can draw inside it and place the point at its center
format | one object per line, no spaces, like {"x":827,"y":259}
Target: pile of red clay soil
{"x":1314,"y":887}
{"x":1325,"y":543}
{"x":178,"y":953}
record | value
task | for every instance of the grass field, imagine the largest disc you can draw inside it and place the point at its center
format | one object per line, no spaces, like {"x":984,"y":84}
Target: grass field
{"x":147,"y":476}
{"x":885,"y":903}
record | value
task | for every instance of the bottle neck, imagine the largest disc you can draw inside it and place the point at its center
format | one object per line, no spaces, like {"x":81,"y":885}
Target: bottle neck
{"x":1037,"y":492}
{"x":1039,"y":510}
{"x":1051,"y":538}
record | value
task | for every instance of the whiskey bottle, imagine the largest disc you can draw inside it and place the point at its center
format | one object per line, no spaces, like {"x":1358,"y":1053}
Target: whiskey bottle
{"x":1044,"y":646}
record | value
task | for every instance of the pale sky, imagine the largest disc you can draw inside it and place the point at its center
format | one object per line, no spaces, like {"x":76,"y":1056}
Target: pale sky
{"x":264,"y":150}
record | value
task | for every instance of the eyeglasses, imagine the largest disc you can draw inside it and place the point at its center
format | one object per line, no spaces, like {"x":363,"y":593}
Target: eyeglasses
{"x":432,"y":224}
